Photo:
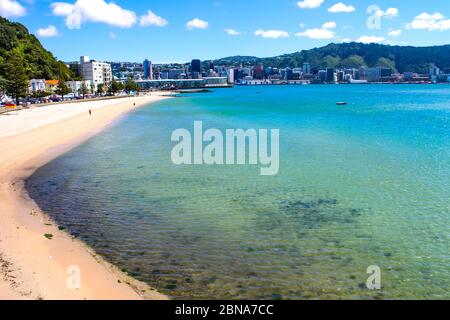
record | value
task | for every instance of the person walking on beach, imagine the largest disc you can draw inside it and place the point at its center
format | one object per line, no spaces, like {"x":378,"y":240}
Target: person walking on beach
{"x":90,"y":112}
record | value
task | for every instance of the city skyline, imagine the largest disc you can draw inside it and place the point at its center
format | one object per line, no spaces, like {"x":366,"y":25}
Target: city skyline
{"x":135,"y":30}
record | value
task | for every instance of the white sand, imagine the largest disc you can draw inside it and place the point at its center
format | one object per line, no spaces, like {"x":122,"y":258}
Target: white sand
{"x":32,"y":266}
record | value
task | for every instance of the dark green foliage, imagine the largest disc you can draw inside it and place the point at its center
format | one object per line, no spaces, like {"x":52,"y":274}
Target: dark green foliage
{"x":101,"y":88}
{"x":131,"y":85}
{"x":39,"y":63}
{"x":16,"y":81}
{"x":62,"y":89}
{"x":355,"y":55}
{"x":115,"y":87}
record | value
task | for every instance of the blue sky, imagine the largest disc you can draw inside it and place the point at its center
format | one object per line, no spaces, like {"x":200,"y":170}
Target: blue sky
{"x":179,"y":30}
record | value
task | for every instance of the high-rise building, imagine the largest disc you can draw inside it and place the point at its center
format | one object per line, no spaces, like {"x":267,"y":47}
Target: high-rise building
{"x":330,"y":75}
{"x":370,"y":74}
{"x":175,"y":73}
{"x":230,"y":73}
{"x":288,"y":74}
{"x":95,"y":71}
{"x":434,"y":71}
{"x":258,"y":72}
{"x":196,"y":66}
{"x":306,"y":68}
{"x":148,"y":69}
{"x":322,"y":75}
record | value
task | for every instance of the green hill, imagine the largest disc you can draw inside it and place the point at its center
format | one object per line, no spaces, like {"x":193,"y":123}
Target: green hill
{"x":39,"y":63}
{"x":355,"y":55}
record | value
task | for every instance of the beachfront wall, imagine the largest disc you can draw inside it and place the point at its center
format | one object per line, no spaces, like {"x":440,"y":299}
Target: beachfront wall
{"x":182,"y":83}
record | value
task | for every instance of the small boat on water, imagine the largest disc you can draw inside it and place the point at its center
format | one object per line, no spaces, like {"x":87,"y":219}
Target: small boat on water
{"x":341,"y":103}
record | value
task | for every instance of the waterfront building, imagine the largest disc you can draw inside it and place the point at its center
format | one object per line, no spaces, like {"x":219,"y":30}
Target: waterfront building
{"x":246,"y":72}
{"x":76,"y":86}
{"x":370,"y":74}
{"x":183,"y":83}
{"x":230,"y":73}
{"x":148,"y":69}
{"x":330,"y":75}
{"x":196,"y":66}
{"x":211,"y":73}
{"x":353,"y":72}
{"x":95,"y":71}
{"x":176,"y":74}
{"x":322,"y":75}
{"x":258,"y":72}
{"x":36,"y":85}
{"x":306,"y":68}
{"x":385,"y":72}
{"x":288,"y":74}
{"x":75,"y":67}
{"x":434,"y":71}
{"x":50,"y":85}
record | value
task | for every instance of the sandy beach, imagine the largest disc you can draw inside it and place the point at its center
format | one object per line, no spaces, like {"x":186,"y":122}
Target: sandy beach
{"x":37,"y":260}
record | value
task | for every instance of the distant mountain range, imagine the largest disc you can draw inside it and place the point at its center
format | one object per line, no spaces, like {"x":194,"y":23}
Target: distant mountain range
{"x":355,"y":55}
{"x":39,"y":63}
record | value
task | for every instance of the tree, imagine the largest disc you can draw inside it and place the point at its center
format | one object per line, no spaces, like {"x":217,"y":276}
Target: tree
{"x":62,"y":89}
{"x":115,"y":87}
{"x":39,"y":62}
{"x":16,"y":80}
{"x":131,"y":85}
{"x":100,"y":88}
{"x":387,"y":63}
{"x":2,"y":84}
{"x":353,"y":61}
{"x":84,"y":90}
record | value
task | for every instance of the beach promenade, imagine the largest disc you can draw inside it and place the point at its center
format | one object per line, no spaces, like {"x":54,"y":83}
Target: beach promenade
{"x":37,"y":259}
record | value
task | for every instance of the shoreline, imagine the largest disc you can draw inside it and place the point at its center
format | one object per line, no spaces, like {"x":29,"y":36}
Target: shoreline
{"x":36,"y":257}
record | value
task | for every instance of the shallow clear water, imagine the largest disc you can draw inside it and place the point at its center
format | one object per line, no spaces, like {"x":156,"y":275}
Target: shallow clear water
{"x":360,"y":185}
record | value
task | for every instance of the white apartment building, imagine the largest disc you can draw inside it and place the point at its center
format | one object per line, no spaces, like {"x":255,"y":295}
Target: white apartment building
{"x":75,"y":87}
{"x":36,"y":85}
{"x":95,"y":71}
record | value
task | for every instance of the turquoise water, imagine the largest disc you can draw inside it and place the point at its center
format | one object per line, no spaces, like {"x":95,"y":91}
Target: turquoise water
{"x":360,"y":185}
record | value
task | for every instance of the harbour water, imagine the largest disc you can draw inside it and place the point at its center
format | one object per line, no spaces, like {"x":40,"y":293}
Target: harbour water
{"x":359,"y":185}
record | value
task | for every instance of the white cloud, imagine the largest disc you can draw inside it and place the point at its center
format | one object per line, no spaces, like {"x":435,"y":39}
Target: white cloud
{"x":329,"y":25}
{"x":389,"y":13}
{"x":197,"y":24}
{"x":341,"y":7}
{"x":151,"y":19}
{"x":430,"y":22}
{"x":48,"y":32}
{"x":370,"y":39}
{"x":272,"y":34}
{"x":94,"y":11}
{"x":395,"y":33}
{"x":11,"y":8}
{"x":309,"y":4}
{"x":232,"y":32}
{"x":317,"y":34}
{"x":320,"y":33}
